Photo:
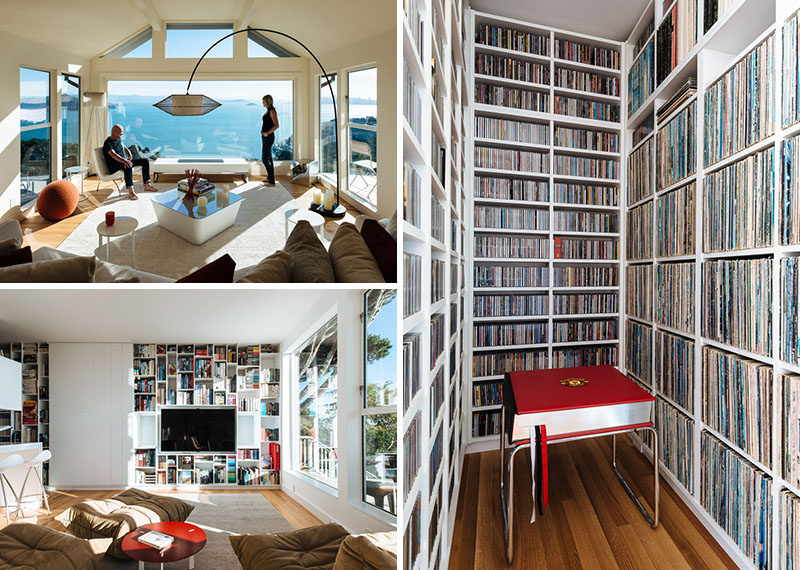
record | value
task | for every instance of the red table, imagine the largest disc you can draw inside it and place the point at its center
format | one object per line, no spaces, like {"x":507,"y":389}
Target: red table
{"x":189,"y":540}
{"x":573,"y":403}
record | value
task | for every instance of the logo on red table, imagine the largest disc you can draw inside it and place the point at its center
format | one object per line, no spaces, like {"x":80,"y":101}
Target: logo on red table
{"x":574,"y":382}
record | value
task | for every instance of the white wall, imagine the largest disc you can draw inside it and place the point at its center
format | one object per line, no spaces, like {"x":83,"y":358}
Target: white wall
{"x":16,"y":52}
{"x":91,"y":401}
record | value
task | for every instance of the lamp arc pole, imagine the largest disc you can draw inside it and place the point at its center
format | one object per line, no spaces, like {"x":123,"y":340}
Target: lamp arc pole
{"x":338,"y":210}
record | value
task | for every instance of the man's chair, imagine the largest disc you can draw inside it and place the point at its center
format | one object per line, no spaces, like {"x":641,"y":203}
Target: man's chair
{"x":102,"y":170}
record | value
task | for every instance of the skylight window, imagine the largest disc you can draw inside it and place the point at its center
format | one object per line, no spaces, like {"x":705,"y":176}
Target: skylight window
{"x":259,"y":45}
{"x":192,"y":40}
{"x":139,"y":46}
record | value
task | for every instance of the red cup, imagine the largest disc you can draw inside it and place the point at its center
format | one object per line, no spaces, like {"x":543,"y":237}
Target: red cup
{"x":110,"y":218}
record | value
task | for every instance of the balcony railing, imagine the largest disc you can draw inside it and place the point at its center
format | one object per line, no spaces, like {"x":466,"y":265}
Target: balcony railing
{"x":318,"y":460}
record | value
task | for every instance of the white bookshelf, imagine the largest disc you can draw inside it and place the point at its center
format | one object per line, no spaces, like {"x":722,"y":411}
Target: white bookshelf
{"x":443,"y":93}
{"x":744,"y":26}
{"x":245,"y":376}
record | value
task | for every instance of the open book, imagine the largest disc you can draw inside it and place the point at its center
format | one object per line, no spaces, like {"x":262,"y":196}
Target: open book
{"x":157,"y":540}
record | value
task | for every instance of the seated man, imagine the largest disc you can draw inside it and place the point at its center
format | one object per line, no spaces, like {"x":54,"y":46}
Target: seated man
{"x":119,"y":157}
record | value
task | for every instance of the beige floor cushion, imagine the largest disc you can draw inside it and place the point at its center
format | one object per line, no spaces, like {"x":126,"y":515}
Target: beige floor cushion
{"x":373,"y":551}
{"x":313,"y":547}
{"x":30,"y":546}
{"x":351,"y":258}
{"x":115,"y":517}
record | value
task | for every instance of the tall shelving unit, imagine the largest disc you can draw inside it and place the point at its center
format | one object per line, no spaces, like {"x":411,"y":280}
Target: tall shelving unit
{"x":244,"y":376}
{"x":685,"y":387}
{"x":435,"y":223}
{"x":532,"y":275}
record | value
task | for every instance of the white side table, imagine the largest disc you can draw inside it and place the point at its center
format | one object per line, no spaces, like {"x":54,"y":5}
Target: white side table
{"x":123,"y":225}
{"x":295,"y":215}
{"x":81,"y":171}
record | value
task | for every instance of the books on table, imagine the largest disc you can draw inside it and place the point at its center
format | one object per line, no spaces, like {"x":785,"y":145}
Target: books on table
{"x":157,"y":540}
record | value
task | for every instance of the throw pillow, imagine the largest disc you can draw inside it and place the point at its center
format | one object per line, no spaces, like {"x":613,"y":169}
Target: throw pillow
{"x":391,"y":227}
{"x":310,"y":547}
{"x":218,"y":271}
{"x":9,"y":245}
{"x":374,"y":551}
{"x":68,"y":270}
{"x":383,"y":248}
{"x":352,"y":261}
{"x":277,"y":268}
{"x":16,"y":257}
{"x":309,"y":260}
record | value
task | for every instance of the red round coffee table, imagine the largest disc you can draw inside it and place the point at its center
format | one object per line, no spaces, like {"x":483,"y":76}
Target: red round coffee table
{"x":189,"y":540}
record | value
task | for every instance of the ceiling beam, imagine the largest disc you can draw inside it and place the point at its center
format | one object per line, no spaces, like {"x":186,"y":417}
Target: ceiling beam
{"x":248,"y":11}
{"x":150,"y":12}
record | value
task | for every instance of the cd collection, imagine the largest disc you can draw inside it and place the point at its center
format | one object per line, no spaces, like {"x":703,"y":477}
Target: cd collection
{"x":412,"y":190}
{"x":411,"y":453}
{"x":790,"y":189}
{"x":584,"y":109}
{"x":509,"y":130}
{"x":791,"y":72}
{"x":640,"y":173}
{"x":436,"y":397}
{"x":510,"y":305}
{"x":584,"y":81}
{"x":485,"y":423}
{"x":675,"y":368}
{"x":585,"y":53}
{"x":737,"y":303}
{"x":507,"y":38}
{"x":675,"y":213}
{"x":585,"y":303}
{"x":586,"y":356}
{"x":738,"y":204}
{"x":639,"y":292}
{"x":487,"y":394}
{"x":571,"y":221}
{"x":511,"y":159}
{"x":640,"y":232}
{"x":639,"y":350}
{"x":737,"y":401}
{"x":790,"y":416}
{"x":738,"y":107}
{"x":575,"y":331}
{"x":675,"y":37}
{"x":509,"y":276}
{"x":510,"y":247}
{"x":578,"y":248}
{"x":790,"y":305}
{"x":437,"y":220}
{"x":412,"y":358}
{"x":675,"y":148}
{"x":675,"y":438}
{"x":494,"y":364}
{"x":738,"y":495}
{"x":586,"y":167}
{"x":437,"y":337}
{"x":436,"y":459}
{"x":412,"y":283}
{"x":512,"y":97}
{"x":789,"y":546}
{"x":507,"y":217}
{"x":675,"y":296}
{"x":437,"y":280}
{"x":507,"y":189}
{"x":587,"y":194}
{"x":412,"y":103}
{"x":641,"y":80}
{"x":510,"y":68}
{"x":412,"y":536}
{"x":509,"y":334}
{"x":583,"y":276}
{"x":585,"y":139}
{"x":416,"y":25}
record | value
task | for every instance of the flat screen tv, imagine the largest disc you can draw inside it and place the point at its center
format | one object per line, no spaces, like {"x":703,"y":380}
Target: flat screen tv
{"x":198,"y":429}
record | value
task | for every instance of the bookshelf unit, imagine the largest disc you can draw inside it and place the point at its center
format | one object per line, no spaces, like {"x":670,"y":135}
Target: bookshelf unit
{"x":246,"y":376}
{"x":546,"y":177}
{"x":436,"y":219}
{"x":699,"y":365}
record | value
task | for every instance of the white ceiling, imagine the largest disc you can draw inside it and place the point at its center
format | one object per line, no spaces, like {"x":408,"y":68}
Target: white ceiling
{"x":157,"y":315}
{"x":610,"y":19}
{"x":90,"y":27}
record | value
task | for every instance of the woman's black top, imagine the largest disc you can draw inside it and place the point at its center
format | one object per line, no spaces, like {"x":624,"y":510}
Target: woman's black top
{"x":266,"y":120}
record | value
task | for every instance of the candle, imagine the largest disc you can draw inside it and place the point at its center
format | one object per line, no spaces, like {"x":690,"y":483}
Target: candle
{"x":317,"y":196}
{"x":329,"y":200}
{"x":110,"y":218}
{"x":202,"y":201}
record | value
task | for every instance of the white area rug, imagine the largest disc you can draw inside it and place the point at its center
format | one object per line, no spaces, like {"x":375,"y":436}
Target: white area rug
{"x":259,"y":231}
{"x":220,"y":515}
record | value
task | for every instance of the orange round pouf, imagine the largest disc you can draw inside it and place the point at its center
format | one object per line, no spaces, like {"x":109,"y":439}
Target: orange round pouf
{"x":57,"y":200}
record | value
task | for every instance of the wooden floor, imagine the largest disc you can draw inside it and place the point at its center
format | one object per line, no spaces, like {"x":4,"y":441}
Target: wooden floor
{"x":39,"y":232}
{"x":590,"y":521}
{"x":60,"y":501}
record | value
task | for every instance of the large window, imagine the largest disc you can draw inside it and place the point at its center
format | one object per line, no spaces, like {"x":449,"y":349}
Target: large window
{"x":316,"y":390}
{"x":70,"y":120}
{"x":234,"y":129}
{"x":362,"y":138}
{"x":136,"y":47}
{"x":35,"y":132}
{"x":191,"y":40}
{"x":379,"y":419}
{"x":327,"y":130}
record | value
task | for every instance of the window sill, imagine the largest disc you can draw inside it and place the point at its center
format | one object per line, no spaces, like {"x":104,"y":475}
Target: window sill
{"x":332,"y":491}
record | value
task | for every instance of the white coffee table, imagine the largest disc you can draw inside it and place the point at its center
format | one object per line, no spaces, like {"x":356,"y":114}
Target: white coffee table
{"x":209,"y":165}
{"x":294,"y":215}
{"x":122,"y":225}
{"x":196,"y":224}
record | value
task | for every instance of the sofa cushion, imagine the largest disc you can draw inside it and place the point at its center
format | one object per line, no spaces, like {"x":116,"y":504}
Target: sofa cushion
{"x":391,"y":226}
{"x":16,"y":257}
{"x":312,"y":547}
{"x":277,"y":268}
{"x":352,"y":261}
{"x":310,"y":262}
{"x":374,"y":551}
{"x":10,"y":245}
{"x":67,"y":270}
{"x":115,"y":517}
{"x":383,"y":248}
{"x":218,"y":271}
{"x":25,"y":545}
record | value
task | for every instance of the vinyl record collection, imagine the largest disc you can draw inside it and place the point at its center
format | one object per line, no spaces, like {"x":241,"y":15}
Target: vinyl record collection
{"x":576,"y":248}
{"x":584,"y":356}
{"x":507,"y":189}
{"x":790,"y":192}
{"x":510,"y":247}
{"x":585,"y":167}
{"x":510,"y":68}
{"x":791,"y":72}
{"x":584,"y":109}
{"x":738,"y":496}
{"x":789,"y":545}
{"x":640,"y":233}
{"x":579,"y":331}
{"x":737,"y":204}
{"x":585,"y":139}
{"x":509,"y":130}
{"x":675,"y":37}
{"x":675,"y":221}
{"x":683,"y":94}
{"x":513,"y":97}
{"x":583,"y":81}
{"x":412,"y":359}
{"x":585,"y":53}
{"x":590,"y":303}
{"x":507,"y":38}
{"x":641,"y":78}
{"x":675,"y":296}
{"x":713,"y":10}
{"x":674,"y":367}
{"x":737,"y":401}
{"x":493,"y":364}
{"x":510,"y":305}
{"x":737,"y":303}
{"x":738,"y":107}
{"x":511,"y":159}
{"x":412,"y":283}
{"x":507,"y":217}
{"x":675,"y":439}
{"x":790,"y":418}
{"x":509,"y":276}
{"x":790,"y":305}
{"x":590,"y":195}
{"x":639,"y":350}
{"x":640,"y":172}
{"x":639,"y":292}
{"x":571,"y":221}
{"x":509,"y":334}
{"x":411,"y":450}
{"x":585,"y":276}
{"x":675,"y":148}
{"x":643,"y":130}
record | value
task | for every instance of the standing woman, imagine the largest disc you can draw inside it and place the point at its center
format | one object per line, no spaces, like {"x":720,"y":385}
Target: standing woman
{"x":269,"y":124}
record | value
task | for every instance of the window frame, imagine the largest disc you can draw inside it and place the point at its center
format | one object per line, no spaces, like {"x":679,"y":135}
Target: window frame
{"x":373,"y":207}
{"x":228,"y":27}
{"x":52,"y":157}
{"x":64,"y":76}
{"x":329,"y":181}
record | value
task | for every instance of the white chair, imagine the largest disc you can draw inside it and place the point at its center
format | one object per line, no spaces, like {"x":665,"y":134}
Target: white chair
{"x":10,"y":462}
{"x":101,"y":168}
{"x":368,"y":166}
{"x":32,"y":466}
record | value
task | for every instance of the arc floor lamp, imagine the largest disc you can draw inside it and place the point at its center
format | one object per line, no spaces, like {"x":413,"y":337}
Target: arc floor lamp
{"x":187,"y":104}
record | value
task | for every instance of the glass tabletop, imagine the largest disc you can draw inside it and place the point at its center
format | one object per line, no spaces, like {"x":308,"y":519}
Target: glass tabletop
{"x":218,"y":199}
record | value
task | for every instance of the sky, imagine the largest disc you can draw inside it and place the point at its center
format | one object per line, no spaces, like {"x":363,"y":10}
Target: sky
{"x":385,"y":325}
